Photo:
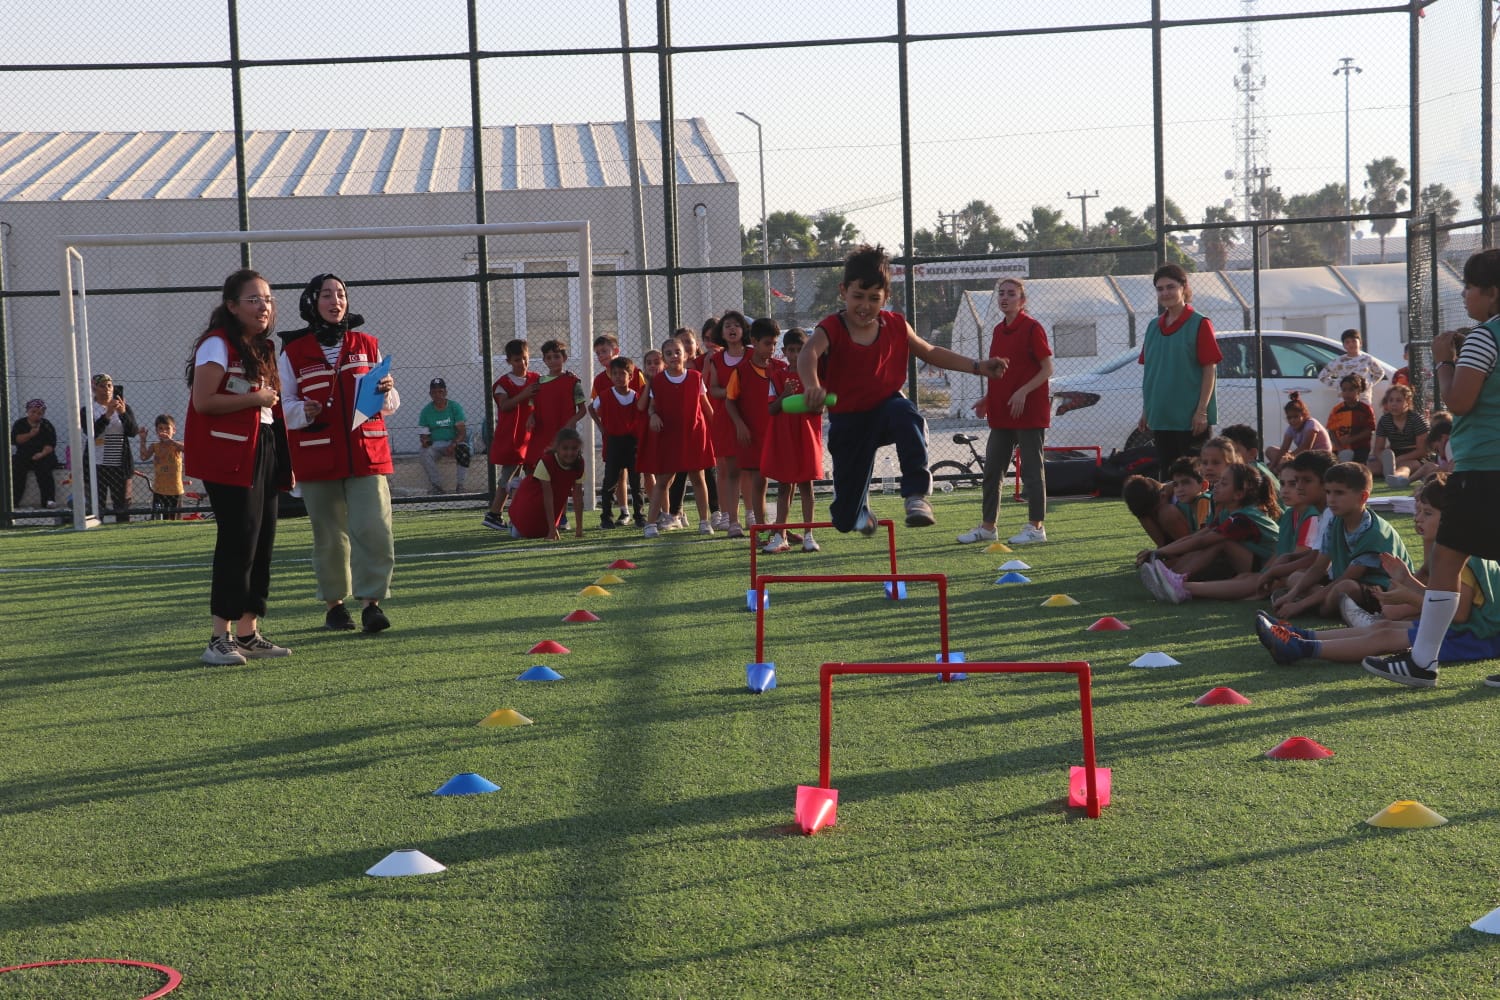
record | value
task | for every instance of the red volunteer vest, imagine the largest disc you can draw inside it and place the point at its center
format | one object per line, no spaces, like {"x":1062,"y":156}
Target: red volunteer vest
{"x":327,"y":449}
{"x":220,"y":447}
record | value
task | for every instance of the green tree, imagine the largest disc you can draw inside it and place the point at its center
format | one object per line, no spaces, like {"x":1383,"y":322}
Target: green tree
{"x":1328,"y":238}
{"x":1494,"y":199}
{"x":1217,"y":243}
{"x":1386,"y":180}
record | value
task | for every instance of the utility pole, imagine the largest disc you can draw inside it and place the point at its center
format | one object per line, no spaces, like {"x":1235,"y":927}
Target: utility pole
{"x":1346,"y":67}
{"x":1083,"y":201}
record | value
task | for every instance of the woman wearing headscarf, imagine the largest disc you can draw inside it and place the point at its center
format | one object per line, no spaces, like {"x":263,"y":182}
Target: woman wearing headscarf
{"x":340,"y":468}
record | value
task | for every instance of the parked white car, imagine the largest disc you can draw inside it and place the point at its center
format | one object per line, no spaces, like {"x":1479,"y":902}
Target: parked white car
{"x":1102,"y":406}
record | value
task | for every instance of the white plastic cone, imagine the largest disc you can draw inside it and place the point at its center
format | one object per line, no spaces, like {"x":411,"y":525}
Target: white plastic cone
{"x":406,"y":862}
{"x":1155,"y":659}
{"x":1489,"y":923}
{"x":1015,"y":564}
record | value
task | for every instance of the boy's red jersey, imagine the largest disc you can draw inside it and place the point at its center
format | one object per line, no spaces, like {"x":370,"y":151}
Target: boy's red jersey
{"x":864,"y":375}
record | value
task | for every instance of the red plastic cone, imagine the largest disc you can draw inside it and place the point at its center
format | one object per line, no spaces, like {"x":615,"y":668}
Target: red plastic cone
{"x":1108,"y":624}
{"x":1078,"y":787}
{"x":548,"y":646}
{"x":622,"y":564}
{"x":816,"y":808}
{"x":1222,"y":696}
{"x":581,"y":616}
{"x":1299,"y":748}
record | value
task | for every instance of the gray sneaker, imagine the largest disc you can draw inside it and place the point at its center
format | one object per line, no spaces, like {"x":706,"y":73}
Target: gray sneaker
{"x":258,"y":647}
{"x":918,"y":513}
{"x":1355,"y":616}
{"x":223,"y":651}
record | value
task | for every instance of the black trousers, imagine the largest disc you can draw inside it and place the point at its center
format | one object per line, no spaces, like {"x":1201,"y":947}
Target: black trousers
{"x":46,"y":485}
{"x":113,"y":480}
{"x":619,"y":455}
{"x":246,"y":521}
{"x":679,"y":490}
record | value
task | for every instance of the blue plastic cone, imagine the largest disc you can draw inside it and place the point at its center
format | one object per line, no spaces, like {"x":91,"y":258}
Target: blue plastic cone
{"x":900,"y":592}
{"x":760,"y":677}
{"x":954,"y":656}
{"x":750,"y":599}
{"x":1014,"y":578}
{"x":467,"y":783}
{"x":540,"y":673}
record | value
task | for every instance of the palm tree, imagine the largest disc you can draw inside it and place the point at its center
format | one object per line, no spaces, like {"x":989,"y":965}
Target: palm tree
{"x":1494,"y":199}
{"x":1216,"y":242}
{"x":1385,"y":179}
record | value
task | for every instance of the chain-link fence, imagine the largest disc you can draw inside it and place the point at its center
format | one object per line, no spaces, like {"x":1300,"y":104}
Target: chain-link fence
{"x":1272,"y":147}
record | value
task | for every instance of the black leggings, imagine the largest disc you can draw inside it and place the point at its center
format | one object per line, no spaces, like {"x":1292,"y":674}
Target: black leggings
{"x":246,"y":521}
{"x":679,"y":490}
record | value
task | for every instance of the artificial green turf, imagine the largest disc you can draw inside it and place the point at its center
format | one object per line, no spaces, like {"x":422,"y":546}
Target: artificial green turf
{"x":219,"y":820}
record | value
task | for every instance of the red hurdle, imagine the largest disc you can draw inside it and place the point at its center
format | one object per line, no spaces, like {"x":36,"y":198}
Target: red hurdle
{"x":1085,"y":703}
{"x":755,"y":529}
{"x":893,"y":578}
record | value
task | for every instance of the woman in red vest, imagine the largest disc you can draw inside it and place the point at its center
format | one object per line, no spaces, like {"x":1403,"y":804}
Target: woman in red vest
{"x":340,"y":468}
{"x":232,"y":437}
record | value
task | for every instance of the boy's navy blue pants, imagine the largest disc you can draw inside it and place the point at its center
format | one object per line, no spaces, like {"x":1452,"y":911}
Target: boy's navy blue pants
{"x":853,"y":439}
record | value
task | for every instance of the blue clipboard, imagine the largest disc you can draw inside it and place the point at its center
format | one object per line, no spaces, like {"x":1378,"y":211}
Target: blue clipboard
{"x":367,"y":399}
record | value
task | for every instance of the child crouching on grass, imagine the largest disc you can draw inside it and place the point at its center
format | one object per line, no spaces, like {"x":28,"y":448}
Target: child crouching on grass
{"x":542,"y":497}
{"x":1171,"y":510}
{"x":1239,"y":540}
{"x":1473,"y":635}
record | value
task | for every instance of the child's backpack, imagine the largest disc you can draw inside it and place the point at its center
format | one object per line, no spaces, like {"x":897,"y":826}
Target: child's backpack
{"x":1121,"y":465}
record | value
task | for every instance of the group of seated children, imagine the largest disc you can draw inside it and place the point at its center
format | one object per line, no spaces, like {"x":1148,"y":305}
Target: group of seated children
{"x":657,"y":425}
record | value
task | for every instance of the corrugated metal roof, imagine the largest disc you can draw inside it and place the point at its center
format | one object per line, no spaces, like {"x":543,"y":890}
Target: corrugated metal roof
{"x":142,"y":166}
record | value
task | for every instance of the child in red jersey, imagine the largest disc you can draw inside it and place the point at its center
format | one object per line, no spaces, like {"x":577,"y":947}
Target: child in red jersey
{"x":861,"y":354}
{"x":543,"y":496}
{"x":618,"y":418}
{"x":559,"y":402}
{"x":677,"y":439}
{"x":717,"y":368}
{"x":513,"y":393}
{"x":747,"y":398}
{"x":793,"y":451}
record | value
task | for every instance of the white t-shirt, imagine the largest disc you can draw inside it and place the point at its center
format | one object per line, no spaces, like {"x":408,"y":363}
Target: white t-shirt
{"x":214,"y":351}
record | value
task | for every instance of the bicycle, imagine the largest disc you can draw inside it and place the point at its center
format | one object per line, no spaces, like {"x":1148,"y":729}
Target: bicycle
{"x":949,"y":474}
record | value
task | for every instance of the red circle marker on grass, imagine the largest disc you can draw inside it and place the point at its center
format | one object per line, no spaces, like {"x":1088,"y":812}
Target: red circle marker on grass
{"x":174,"y":978}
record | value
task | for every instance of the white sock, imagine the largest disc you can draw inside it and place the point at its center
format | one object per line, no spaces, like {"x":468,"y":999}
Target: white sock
{"x":1438,"y":609}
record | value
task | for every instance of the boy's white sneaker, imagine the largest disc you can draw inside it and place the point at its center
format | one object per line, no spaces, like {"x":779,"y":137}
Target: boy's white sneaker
{"x":705,"y":528}
{"x":977,"y":534}
{"x":775,"y":544}
{"x":1027,"y":535}
{"x":719,"y":521}
{"x":652,"y":531}
{"x":809,"y":543}
{"x":734,"y":530}
{"x":1355,"y":616}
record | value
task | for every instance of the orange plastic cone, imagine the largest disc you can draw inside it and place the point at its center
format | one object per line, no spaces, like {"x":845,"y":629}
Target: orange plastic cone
{"x":1299,"y":748}
{"x":622,"y":564}
{"x":1406,"y":814}
{"x":548,"y":646}
{"x":1221,"y":696}
{"x":580,"y":616}
{"x":1108,"y":623}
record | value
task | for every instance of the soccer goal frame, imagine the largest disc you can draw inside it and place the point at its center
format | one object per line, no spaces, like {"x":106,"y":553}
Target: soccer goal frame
{"x":75,"y":316}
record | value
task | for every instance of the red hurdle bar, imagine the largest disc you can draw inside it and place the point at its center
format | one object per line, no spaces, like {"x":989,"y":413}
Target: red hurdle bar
{"x":890,"y":532}
{"x":1085,"y":703}
{"x":938,"y":578}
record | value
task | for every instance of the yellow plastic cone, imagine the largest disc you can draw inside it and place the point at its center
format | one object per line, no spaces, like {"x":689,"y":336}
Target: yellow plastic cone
{"x":1407,"y":814}
{"x":1059,"y":601}
{"x":505,"y":717}
{"x":609,"y":578}
{"x":593,"y":590}
{"x":997,"y":547}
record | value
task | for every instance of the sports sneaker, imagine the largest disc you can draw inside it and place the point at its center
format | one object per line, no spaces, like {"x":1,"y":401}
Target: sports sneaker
{"x":652,"y":531}
{"x":338,"y":620}
{"x":734,"y":530}
{"x":373,"y":619}
{"x":258,"y":647}
{"x":809,"y":543}
{"x":776,"y":544}
{"x":606,"y":522}
{"x":718,"y":521}
{"x":1285,"y":648}
{"x":1396,"y":482}
{"x":1269,"y":619}
{"x":1355,"y":616}
{"x":1401,"y":669}
{"x":707,"y":528}
{"x":1174,"y":585}
{"x":223,"y":651}
{"x":1388,"y":464}
{"x":1027,"y":535}
{"x":918,"y":513}
{"x":494,"y":521}
{"x":680,"y":523}
{"x":977,"y":534}
{"x":865,"y":522}
{"x":1152,"y":582}
{"x":1493,"y":680}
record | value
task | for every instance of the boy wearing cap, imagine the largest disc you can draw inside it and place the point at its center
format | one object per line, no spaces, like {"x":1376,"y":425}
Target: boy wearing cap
{"x":443,"y":432}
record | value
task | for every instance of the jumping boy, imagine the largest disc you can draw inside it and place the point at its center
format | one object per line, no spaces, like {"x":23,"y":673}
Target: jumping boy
{"x":1349,"y":557}
{"x":861,"y":354}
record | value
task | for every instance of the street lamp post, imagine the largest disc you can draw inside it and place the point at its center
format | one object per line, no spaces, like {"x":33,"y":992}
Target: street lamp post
{"x":765,"y":230}
{"x":1346,"y":67}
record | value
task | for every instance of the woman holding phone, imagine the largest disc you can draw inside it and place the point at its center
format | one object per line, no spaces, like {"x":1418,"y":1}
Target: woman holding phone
{"x":113,"y":424}
{"x":233,"y":438}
